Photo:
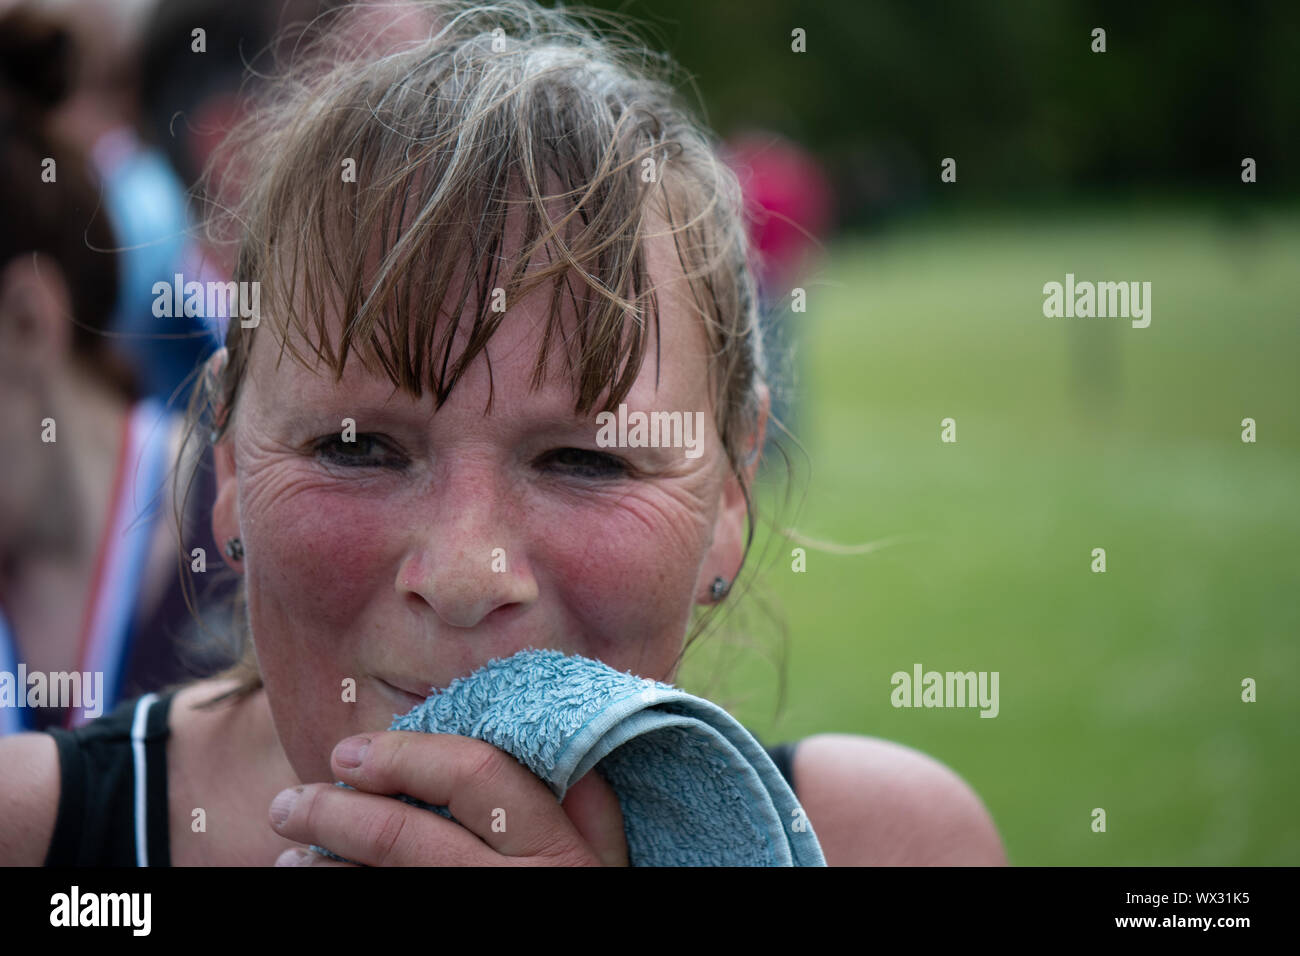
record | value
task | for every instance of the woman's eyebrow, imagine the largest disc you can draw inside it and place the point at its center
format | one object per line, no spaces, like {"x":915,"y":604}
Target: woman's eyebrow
{"x":332,"y":414}
{"x":362,"y":411}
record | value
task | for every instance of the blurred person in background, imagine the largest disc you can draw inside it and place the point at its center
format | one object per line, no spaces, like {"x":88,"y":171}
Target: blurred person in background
{"x":788,"y":204}
{"x":153,"y":89}
{"x":88,"y":544}
{"x":148,"y":102}
{"x":143,"y":197}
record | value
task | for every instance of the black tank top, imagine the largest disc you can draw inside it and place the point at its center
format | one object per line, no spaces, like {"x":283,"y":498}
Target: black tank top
{"x":113,"y":788}
{"x":113,"y":808}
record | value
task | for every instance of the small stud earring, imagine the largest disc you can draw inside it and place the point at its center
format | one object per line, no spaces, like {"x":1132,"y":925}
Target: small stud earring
{"x":719,"y":588}
{"x":235,"y":549}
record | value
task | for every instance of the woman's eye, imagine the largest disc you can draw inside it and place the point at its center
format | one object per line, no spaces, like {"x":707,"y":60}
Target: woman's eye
{"x":585,"y":463}
{"x":365,"y":451}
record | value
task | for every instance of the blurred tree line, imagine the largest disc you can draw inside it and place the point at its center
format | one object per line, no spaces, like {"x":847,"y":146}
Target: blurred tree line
{"x":1010,"y":88}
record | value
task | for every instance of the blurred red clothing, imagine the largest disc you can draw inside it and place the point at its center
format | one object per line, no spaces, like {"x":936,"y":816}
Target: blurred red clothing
{"x":788,"y":199}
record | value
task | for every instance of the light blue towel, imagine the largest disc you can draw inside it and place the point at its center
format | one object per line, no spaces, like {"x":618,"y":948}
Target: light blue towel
{"x":695,"y":787}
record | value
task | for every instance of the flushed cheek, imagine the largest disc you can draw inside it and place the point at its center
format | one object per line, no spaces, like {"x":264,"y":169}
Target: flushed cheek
{"x":630,"y":591}
{"x":317,"y":573}
{"x":316,"y":576}
{"x":322,"y":559}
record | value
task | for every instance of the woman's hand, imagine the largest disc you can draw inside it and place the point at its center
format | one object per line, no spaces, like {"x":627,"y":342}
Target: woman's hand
{"x":507,"y":815}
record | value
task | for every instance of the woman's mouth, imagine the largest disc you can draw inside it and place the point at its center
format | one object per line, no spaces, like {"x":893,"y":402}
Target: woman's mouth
{"x":406,"y":697}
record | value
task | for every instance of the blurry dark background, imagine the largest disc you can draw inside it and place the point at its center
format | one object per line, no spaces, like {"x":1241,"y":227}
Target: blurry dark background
{"x":888,"y":87}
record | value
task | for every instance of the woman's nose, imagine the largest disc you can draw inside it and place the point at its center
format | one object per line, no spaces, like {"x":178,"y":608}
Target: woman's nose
{"x":465,"y":560}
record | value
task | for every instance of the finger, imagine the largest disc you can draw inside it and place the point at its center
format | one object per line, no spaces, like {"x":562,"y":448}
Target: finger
{"x":374,"y":830}
{"x":593,"y":807}
{"x":487,"y":790}
{"x":297,"y":856}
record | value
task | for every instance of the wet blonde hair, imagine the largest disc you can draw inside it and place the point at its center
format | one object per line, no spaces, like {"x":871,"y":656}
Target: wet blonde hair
{"x":474,"y":114}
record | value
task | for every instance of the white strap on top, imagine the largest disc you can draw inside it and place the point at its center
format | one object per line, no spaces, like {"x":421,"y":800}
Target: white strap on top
{"x":138,"y":726}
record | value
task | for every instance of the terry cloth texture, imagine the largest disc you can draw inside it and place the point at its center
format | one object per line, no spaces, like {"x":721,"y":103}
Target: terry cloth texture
{"x":695,"y":787}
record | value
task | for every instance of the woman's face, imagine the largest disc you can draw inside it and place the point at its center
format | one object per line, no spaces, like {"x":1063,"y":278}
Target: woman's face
{"x":381,"y":560}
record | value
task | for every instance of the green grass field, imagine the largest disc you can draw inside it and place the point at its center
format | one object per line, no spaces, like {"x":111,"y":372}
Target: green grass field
{"x":1120,"y":690}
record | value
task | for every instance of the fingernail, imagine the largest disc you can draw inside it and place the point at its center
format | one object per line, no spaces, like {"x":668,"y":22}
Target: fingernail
{"x":351,"y":752}
{"x":294,"y":857}
{"x":282,"y":805}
